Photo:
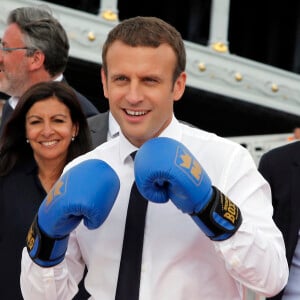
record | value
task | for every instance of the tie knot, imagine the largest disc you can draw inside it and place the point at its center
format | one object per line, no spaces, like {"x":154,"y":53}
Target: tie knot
{"x":133,"y":154}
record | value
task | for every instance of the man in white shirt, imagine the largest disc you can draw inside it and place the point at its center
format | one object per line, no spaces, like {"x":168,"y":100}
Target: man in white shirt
{"x":185,"y":255}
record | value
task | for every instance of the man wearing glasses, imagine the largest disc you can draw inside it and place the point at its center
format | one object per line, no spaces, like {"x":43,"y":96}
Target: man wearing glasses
{"x":34,"y":48}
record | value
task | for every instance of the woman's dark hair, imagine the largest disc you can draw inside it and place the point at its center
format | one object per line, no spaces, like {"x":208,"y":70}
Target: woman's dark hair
{"x":13,"y":146}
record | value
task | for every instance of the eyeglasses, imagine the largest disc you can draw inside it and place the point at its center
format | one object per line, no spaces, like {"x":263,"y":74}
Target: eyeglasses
{"x":8,"y":49}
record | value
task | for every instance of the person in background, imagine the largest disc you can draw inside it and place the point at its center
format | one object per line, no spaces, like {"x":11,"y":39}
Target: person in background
{"x":296,"y":133}
{"x":103,"y":127}
{"x":213,"y":235}
{"x":34,"y":48}
{"x":281,"y":168}
{"x":46,"y":131}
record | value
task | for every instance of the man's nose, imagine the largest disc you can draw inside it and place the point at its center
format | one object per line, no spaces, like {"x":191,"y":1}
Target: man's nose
{"x":134,"y":93}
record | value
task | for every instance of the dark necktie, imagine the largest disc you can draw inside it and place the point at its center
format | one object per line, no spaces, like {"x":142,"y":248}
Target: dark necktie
{"x":130,"y":267}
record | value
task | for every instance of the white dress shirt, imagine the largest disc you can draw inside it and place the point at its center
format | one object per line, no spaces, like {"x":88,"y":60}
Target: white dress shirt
{"x":113,"y":127}
{"x":179,"y":262}
{"x":13,"y":101}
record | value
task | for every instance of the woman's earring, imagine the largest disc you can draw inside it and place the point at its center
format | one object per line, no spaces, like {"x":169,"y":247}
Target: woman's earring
{"x":27,"y":141}
{"x":73,"y":138}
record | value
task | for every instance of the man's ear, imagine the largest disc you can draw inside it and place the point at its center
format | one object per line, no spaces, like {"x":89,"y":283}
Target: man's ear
{"x":104,"y":83}
{"x":179,"y":86}
{"x":37,"y":60}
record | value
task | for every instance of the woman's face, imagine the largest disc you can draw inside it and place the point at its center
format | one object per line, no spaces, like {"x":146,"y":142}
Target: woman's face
{"x":49,"y":129}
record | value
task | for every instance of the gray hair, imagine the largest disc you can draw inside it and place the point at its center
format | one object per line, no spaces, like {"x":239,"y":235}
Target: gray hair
{"x":41,"y":31}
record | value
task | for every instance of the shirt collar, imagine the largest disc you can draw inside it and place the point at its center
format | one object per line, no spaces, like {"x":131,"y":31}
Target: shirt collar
{"x":113,"y":127}
{"x":59,"y":78}
{"x":172,"y":131}
{"x":126,"y":148}
{"x":13,"y":101}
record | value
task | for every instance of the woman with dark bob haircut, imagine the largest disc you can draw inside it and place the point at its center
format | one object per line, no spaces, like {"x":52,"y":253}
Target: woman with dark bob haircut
{"x":46,"y":131}
{"x":13,"y":146}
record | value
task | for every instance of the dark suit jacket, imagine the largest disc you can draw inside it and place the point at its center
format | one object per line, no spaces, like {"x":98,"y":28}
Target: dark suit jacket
{"x":281,"y":168}
{"x":21,"y":194}
{"x":88,"y":108}
{"x":98,"y":127}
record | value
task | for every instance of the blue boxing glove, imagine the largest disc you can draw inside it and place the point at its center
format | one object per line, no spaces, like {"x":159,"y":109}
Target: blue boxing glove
{"x":85,"y":192}
{"x":165,"y":169}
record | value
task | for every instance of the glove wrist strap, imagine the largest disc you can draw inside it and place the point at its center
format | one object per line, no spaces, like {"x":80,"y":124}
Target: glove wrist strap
{"x":44,"y":250}
{"x":220,"y":219}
